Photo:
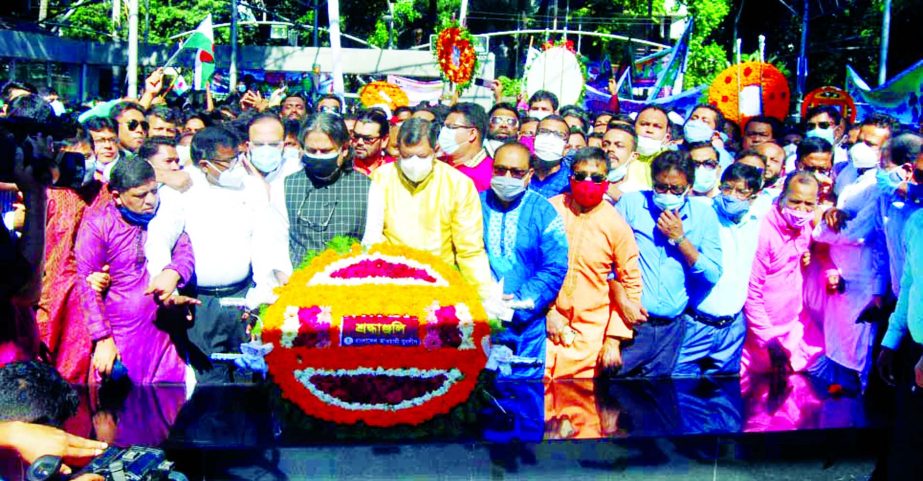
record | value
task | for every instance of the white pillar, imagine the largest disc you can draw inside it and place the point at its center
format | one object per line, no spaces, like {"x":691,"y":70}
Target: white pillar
{"x":133,"y":48}
{"x":463,"y":15}
{"x":333,"y":13}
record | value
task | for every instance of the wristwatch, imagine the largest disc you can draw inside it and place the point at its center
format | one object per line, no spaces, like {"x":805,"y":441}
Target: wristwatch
{"x":676,"y":242}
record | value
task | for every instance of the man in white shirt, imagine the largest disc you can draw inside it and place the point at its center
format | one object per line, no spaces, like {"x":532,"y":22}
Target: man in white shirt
{"x":226,"y":215}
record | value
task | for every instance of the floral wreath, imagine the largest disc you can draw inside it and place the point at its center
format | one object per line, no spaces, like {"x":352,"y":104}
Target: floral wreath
{"x":457,"y":58}
{"x":569,"y":46}
{"x":774,"y":91}
{"x":384,"y":336}
{"x":381,"y":92}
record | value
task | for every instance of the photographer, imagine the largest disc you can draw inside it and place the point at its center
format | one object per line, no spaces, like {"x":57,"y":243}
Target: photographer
{"x":34,"y":402}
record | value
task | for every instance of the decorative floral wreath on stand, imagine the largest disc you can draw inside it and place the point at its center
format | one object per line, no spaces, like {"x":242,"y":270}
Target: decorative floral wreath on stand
{"x":386,"y":336}
{"x":381,"y":92}
{"x":569,"y":46}
{"x":756,"y":85}
{"x":457,"y":58}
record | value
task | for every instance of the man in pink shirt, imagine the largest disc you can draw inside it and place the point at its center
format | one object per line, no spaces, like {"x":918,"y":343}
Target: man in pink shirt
{"x":461,"y":143}
{"x":779,"y":335}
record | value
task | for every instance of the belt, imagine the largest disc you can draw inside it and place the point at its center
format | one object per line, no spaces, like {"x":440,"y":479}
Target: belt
{"x":709,"y":320}
{"x":659,"y":320}
{"x":224,"y":291}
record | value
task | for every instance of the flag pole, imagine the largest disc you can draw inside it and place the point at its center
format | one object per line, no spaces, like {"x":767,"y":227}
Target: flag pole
{"x":173,"y":57}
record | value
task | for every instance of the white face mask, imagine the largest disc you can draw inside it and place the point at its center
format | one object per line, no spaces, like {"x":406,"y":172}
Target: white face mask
{"x":416,"y":168}
{"x":232,"y":178}
{"x":492,"y":145}
{"x":549,"y":147}
{"x":184,"y":152}
{"x":447,"y":141}
{"x":863,"y":156}
{"x":266,"y":158}
{"x":648,"y":146}
{"x":291,"y":154}
{"x":618,"y":173}
{"x":539,"y":114}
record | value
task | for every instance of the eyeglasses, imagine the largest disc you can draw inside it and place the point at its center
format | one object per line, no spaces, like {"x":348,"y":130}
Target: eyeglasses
{"x":508,"y":121}
{"x":501,"y":171}
{"x":229,"y":163}
{"x":458,"y":126}
{"x":560,"y":135}
{"x":710,"y":163}
{"x":106,"y":140}
{"x":597,"y":178}
{"x":819,"y":125}
{"x":134,"y":124}
{"x":368,"y":139}
{"x":727,"y":189}
{"x":673,"y":189}
{"x":317,"y":226}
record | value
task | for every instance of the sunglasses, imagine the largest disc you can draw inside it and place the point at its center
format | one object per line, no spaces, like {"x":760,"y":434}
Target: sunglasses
{"x":508,"y":121}
{"x":819,"y":125}
{"x":134,"y":124}
{"x":673,"y":189}
{"x":501,"y":171}
{"x":597,"y":178}
{"x":368,"y":139}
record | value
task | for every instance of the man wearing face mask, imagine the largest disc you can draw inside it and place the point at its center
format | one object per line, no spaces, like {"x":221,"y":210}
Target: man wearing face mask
{"x":716,"y":329}
{"x":121,"y":324}
{"x":228,"y":221}
{"x":425,"y":204}
{"x":815,"y":155}
{"x":826,"y":122}
{"x":653,"y":127}
{"x":898,"y":201}
{"x":706,"y":124}
{"x":779,"y":335}
{"x":527,"y":249}
{"x":265,"y":149}
{"x":585,"y":331}
{"x":542,"y":104}
{"x":680,"y":257}
{"x":619,"y":144}
{"x":503,"y":128}
{"x":461,"y":142}
{"x":104,"y":133}
{"x":328,"y":198}
{"x":705,"y":158}
{"x":552,"y":172}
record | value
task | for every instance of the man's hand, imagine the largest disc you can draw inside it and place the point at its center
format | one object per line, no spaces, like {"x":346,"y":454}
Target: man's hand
{"x":670,"y":225}
{"x":154,"y":83}
{"x":918,"y":373}
{"x":179,"y":180}
{"x":19,"y":216}
{"x":33,"y":441}
{"x":104,"y":356}
{"x":610,"y":356}
{"x":557,"y":325}
{"x":631,"y":312}
{"x":886,"y":366}
{"x":806,"y":259}
{"x":163,"y":285}
{"x":497,"y":87}
{"x":613,"y":86}
{"x":100,"y":281}
{"x":835,"y":219}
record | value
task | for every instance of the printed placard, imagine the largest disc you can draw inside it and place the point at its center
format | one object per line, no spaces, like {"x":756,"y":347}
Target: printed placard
{"x":401,"y":331}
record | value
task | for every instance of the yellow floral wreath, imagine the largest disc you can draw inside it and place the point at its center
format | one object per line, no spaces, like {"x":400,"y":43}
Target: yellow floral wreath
{"x":380,"y":92}
{"x":725,"y":90}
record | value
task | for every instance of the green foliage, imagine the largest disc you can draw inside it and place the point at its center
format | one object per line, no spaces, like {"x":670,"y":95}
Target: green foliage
{"x":510,"y":86}
{"x":706,"y":57}
{"x":405,"y":12}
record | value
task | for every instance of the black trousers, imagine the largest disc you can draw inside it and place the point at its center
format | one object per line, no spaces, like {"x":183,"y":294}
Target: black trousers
{"x":904,"y":461}
{"x":216,"y":329}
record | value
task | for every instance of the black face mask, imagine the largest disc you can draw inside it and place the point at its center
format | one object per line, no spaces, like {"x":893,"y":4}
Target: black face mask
{"x":320,"y":168}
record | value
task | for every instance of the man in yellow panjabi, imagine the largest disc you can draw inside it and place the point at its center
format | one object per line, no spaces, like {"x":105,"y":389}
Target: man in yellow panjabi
{"x":426,"y":204}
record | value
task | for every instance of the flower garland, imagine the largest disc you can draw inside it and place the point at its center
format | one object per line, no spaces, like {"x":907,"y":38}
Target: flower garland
{"x":725,"y":91}
{"x":457,"y":58}
{"x":380,"y":92}
{"x":384,"y":337}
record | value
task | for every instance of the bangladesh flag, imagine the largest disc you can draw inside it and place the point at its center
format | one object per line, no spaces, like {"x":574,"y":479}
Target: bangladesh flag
{"x":202,"y":40}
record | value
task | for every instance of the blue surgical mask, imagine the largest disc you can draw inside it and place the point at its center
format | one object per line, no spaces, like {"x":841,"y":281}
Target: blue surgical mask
{"x":507,"y":188}
{"x":618,"y":173}
{"x":705,"y":179}
{"x":731,"y":208}
{"x":697,"y":131}
{"x":137,"y":219}
{"x":888,"y":182}
{"x":668,"y":201}
{"x":266,"y":158}
{"x":826,"y":134}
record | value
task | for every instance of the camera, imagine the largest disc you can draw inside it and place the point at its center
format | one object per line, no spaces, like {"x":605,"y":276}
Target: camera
{"x":137,"y":463}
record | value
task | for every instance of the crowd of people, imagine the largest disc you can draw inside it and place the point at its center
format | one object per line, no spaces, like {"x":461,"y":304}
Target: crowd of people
{"x":609,"y":244}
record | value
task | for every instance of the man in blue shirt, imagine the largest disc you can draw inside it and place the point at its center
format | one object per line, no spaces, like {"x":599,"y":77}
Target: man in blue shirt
{"x":715,"y":328}
{"x":680,"y":248}
{"x":527,"y":249}
{"x":552,"y":170}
